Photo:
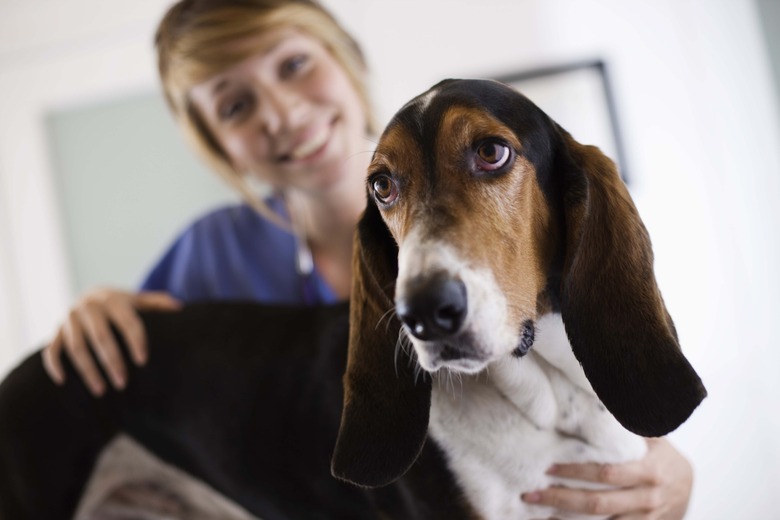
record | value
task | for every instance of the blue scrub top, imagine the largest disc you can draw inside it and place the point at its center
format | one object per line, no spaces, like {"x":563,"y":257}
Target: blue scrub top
{"x":234,"y":253}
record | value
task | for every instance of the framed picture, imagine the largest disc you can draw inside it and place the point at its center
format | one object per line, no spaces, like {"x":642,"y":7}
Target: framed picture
{"x":578,"y":96}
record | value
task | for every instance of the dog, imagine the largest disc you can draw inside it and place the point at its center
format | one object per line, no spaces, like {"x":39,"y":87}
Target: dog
{"x":509,"y":264}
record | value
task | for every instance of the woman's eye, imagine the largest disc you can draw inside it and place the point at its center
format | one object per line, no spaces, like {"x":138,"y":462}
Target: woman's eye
{"x":492,"y":155}
{"x":292,"y":65}
{"x":234,"y":109}
{"x":385,"y":189}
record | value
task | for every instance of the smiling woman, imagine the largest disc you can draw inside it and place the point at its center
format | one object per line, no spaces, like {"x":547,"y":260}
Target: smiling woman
{"x":241,"y":77}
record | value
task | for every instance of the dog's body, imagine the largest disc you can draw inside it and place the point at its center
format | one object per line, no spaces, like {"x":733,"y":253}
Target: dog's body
{"x":489,"y":231}
{"x":245,"y":398}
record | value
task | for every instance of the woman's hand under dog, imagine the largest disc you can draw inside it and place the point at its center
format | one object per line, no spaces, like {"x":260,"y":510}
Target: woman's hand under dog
{"x":89,"y":323}
{"x":658,"y":487}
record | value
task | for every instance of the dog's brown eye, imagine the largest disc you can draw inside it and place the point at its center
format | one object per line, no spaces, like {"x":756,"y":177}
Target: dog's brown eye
{"x":385,"y":189}
{"x":492,"y":155}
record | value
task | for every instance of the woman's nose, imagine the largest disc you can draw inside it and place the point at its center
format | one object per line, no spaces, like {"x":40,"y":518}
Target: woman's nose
{"x":280,"y":108}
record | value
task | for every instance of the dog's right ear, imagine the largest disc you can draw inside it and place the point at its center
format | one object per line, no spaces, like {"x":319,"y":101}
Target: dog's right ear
{"x":384,"y":421}
{"x":615,"y":317}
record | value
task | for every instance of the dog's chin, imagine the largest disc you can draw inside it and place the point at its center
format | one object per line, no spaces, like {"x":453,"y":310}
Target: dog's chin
{"x":455,"y":355}
{"x":459,"y":356}
{"x":462,"y":365}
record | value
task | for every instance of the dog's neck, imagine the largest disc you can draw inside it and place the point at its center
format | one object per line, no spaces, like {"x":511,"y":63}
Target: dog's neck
{"x":530,"y":382}
{"x":503,"y":428}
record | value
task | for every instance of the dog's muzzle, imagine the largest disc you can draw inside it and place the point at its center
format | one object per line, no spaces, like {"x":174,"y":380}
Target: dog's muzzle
{"x":434,"y":308}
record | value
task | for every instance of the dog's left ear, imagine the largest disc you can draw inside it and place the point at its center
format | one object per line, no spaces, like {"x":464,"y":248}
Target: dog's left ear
{"x":616,"y":320}
{"x":384,"y":421}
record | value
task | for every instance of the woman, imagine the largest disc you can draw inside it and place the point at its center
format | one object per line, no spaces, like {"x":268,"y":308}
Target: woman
{"x":274,"y":91}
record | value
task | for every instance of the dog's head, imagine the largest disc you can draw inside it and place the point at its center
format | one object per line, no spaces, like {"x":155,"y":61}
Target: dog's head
{"x":484,"y":214}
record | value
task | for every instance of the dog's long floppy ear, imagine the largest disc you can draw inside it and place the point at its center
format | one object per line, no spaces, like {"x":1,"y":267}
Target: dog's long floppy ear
{"x":384,"y":421}
{"x":613,"y":312}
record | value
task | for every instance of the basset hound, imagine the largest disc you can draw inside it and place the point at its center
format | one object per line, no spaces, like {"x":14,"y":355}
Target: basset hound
{"x":504,"y":306}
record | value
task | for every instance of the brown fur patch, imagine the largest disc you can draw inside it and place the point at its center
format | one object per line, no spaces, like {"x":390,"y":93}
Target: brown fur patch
{"x":400,"y":155}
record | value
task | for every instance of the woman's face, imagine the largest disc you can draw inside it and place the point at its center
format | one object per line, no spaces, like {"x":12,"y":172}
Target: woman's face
{"x":289,"y":114}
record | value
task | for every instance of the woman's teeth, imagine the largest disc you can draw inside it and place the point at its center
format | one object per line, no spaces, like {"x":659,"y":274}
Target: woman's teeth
{"x":313,"y":144}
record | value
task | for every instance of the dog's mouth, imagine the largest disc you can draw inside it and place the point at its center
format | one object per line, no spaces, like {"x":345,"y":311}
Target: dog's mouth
{"x":458,"y":363}
{"x":458,"y":353}
{"x":465,"y":353}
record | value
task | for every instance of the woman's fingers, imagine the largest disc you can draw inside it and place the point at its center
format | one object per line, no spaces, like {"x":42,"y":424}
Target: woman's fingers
{"x":95,"y":320}
{"x":52,"y":362}
{"x":156,"y":300}
{"x":129,"y":324}
{"x":78,"y":352}
{"x":628,"y":474}
{"x":612,"y":502}
{"x":658,"y":487}
{"x":89,"y":326}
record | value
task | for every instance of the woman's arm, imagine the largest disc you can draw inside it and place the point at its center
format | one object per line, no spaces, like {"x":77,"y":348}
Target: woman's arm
{"x":658,"y":487}
{"x":89,"y":323}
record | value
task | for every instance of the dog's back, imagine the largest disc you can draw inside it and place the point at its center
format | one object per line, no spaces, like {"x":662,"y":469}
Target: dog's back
{"x":243,"y":397}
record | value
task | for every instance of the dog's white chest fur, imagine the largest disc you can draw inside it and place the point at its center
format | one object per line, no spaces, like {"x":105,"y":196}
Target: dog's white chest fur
{"x":503,"y":428}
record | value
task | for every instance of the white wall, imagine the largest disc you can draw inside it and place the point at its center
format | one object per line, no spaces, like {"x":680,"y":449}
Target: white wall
{"x":694,"y":93}
{"x":53,"y":55}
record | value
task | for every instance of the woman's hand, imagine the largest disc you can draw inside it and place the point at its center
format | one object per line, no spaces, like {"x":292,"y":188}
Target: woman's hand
{"x":89,"y":321}
{"x":658,"y":487}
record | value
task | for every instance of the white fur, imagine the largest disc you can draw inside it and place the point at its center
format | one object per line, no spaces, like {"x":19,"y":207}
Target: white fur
{"x":422,"y":101}
{"x":503,"y":428}
{"x":504,"y":421}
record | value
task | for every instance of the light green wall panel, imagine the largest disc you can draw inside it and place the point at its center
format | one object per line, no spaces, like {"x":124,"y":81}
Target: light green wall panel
{"x":127,"y":184}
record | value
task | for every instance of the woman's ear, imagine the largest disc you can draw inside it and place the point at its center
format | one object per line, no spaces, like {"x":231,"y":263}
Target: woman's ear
{"x":385,"y":416}
{"x":616,"y":320}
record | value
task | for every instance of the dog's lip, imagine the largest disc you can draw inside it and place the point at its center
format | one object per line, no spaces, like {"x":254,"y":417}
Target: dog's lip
{"x":449,"y":352}
{"x":462,"y":365}
{"x":449,"y":355}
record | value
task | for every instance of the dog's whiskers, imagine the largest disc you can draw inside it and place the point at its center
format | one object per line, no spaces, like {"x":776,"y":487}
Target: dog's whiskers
{"x":390,"y":312}
{"x":418,"y":369}
{"x":446,"y":378}
{"x":398,"y":347}
{"x":404,"y":344}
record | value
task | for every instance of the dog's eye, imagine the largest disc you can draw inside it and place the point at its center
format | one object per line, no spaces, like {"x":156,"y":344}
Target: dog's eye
{"x":491,"y":155}
{"x":385,"y":189}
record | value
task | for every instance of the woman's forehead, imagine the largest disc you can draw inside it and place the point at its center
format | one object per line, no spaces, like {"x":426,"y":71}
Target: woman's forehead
{"x":255,"y":50}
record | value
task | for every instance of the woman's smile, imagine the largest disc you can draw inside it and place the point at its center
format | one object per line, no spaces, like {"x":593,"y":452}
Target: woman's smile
{"x":314,"y":143}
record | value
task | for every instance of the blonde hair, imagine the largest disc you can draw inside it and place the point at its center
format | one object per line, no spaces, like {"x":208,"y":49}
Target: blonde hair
{"x":196,"y":40}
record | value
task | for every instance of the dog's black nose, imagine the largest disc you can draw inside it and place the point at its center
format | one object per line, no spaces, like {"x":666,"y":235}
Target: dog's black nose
{"x":435,"y":308}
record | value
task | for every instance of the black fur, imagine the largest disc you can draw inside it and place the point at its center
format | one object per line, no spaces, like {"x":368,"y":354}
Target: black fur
{"x":245,"y":397}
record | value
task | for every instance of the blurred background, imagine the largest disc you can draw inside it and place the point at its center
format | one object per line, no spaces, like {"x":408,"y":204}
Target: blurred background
{"x":95,"y":181}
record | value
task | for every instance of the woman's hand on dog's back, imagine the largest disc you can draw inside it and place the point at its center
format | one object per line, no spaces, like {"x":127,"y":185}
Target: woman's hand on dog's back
{"x":89,"y":324}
